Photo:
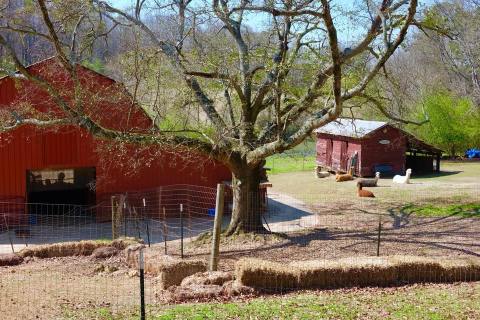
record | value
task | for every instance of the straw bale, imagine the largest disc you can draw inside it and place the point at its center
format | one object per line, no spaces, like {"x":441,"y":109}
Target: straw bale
{"x":10,"y":259}
{"x":265,"y":274}
{"x":354,"y":272}
{"x":348,"y":272}
{"x":194,"y":292}
{"x":207,"y":278}
{"x":104,"y":252}
{"x":414,"y":269}
{"x":123,"y":242}
{"x":170,"y":271}
{"x":235,"y":288}
{"x":63,"y":249}
{"x":465,"y":269}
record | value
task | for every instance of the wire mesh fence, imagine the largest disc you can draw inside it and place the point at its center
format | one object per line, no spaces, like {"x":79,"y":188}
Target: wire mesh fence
{"x":302,"y":241}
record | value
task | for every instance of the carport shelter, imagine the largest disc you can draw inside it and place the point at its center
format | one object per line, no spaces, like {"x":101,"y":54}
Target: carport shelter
{"x":380,"y":147}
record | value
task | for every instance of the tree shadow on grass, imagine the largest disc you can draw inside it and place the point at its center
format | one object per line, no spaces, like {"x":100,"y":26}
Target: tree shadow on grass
{"x":403,"y":233}
{"x":437,"y":174}
{"x":401,"y":215}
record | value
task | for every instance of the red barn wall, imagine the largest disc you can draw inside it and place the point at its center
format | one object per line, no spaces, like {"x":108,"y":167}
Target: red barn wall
{"x":321,"y":146}
{"x":28,"y":148}
{"x":375,"y":153}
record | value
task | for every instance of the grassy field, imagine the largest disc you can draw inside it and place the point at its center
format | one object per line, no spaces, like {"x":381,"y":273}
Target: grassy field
{"x":456,"y":187}
{"x":301,"y":158}
{"x":450,"y":301}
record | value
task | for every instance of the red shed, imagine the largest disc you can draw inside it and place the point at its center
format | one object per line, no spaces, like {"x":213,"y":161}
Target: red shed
{"x":66,"y":164}
{"x":380,"y":147}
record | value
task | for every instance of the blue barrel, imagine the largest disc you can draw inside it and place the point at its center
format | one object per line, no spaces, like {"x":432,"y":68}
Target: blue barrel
{"x":211,"y":212}
{"x":32,"y":219}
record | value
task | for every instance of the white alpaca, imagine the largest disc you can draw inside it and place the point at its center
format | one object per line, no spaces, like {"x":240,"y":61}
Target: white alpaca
{"x":403,"y":179}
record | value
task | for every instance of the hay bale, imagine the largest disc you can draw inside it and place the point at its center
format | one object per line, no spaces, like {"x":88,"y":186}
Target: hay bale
{"x":347,"y":272}
{"x":10,"y":259}
{"x":464,"y":269}
{"x":170,"y":271}
{"x":235,"y":288}
{"x":63,"y":249}
{"x":194,"y":292}
{"x":413,"y":269}
{"x":123,"y":242}
{"x":207,"y":278}
{"x":354,"y":272}
{"x":132,"y":252}
{"x":104,"y":252}
{"x":263,"y":274}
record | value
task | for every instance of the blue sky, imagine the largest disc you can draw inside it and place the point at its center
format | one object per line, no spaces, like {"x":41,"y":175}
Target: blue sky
{"x":348,"y":30}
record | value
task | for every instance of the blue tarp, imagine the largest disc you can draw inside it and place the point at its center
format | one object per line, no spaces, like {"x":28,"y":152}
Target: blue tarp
{"x":472,"y":153}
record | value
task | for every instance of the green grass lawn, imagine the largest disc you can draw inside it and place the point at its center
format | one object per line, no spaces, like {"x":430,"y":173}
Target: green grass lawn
{"x":431,"y":210}
{"x":448,"y":301}
{"x":300,"y":158}
{"x":457,"y":185}
{"x":290,"y":163}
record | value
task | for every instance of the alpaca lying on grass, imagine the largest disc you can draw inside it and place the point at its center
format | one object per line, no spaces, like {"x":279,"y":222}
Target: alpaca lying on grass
{"x":364,"y":193}
{"x":343,"y":177}
{"x":370,"y":182}
{"x":321,"y":174}
{"x":403,"y":179}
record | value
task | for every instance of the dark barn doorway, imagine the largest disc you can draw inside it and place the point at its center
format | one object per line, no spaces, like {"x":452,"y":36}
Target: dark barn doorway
{"x":57,"y":191}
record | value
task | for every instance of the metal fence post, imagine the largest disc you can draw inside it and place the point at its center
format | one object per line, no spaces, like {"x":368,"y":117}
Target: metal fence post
{"x":124,"y":211}
{"x":379,"y":235}
{"x":181,"y":230}
{"x":142,"y":285}
{"x":217,"y":227}
{"x":165,"y":230}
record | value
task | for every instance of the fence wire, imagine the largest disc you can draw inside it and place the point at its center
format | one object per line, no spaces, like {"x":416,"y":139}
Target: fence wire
{"x":303,"y":241}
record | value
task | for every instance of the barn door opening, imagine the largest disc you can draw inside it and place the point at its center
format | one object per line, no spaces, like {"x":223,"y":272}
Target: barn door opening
{"x":60,"y":189}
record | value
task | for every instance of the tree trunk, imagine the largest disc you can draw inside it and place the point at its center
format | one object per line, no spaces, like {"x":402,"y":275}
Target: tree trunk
{"x":453,"y":152}
{"x":247,"y":201}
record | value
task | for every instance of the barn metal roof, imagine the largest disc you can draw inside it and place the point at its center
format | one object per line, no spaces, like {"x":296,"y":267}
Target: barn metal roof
{"x":354,"y":128}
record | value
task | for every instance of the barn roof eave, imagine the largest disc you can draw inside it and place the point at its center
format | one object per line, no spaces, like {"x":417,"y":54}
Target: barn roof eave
{"x":17,"y":73}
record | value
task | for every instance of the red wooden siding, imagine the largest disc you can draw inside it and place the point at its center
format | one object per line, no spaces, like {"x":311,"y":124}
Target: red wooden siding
{"x":370,"y":151}
{"x":29,"y":148}
{"x":375,"y":153}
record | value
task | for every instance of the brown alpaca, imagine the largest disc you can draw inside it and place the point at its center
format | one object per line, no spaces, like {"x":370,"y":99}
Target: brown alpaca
{"x":344,"y":177}
{"x":364,"y":193}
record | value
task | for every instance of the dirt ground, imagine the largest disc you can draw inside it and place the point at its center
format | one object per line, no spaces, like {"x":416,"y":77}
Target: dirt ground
{"x":55,"y":288}
{"x":330,"y":222}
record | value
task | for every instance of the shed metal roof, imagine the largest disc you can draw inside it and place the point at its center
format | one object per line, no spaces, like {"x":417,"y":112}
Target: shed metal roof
{"x":354,"y":128}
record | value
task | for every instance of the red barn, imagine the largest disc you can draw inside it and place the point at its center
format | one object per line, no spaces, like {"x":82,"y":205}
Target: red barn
{"x":66,"y":164}
{"x":380,"y":147}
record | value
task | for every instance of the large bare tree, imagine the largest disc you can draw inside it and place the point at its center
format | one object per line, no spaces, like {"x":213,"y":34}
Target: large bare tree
{"x":263,"y":74}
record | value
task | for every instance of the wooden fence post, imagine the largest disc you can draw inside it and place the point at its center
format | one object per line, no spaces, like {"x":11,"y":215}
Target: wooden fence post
{"x":117,"y":214}
{"x":217,"y":227}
